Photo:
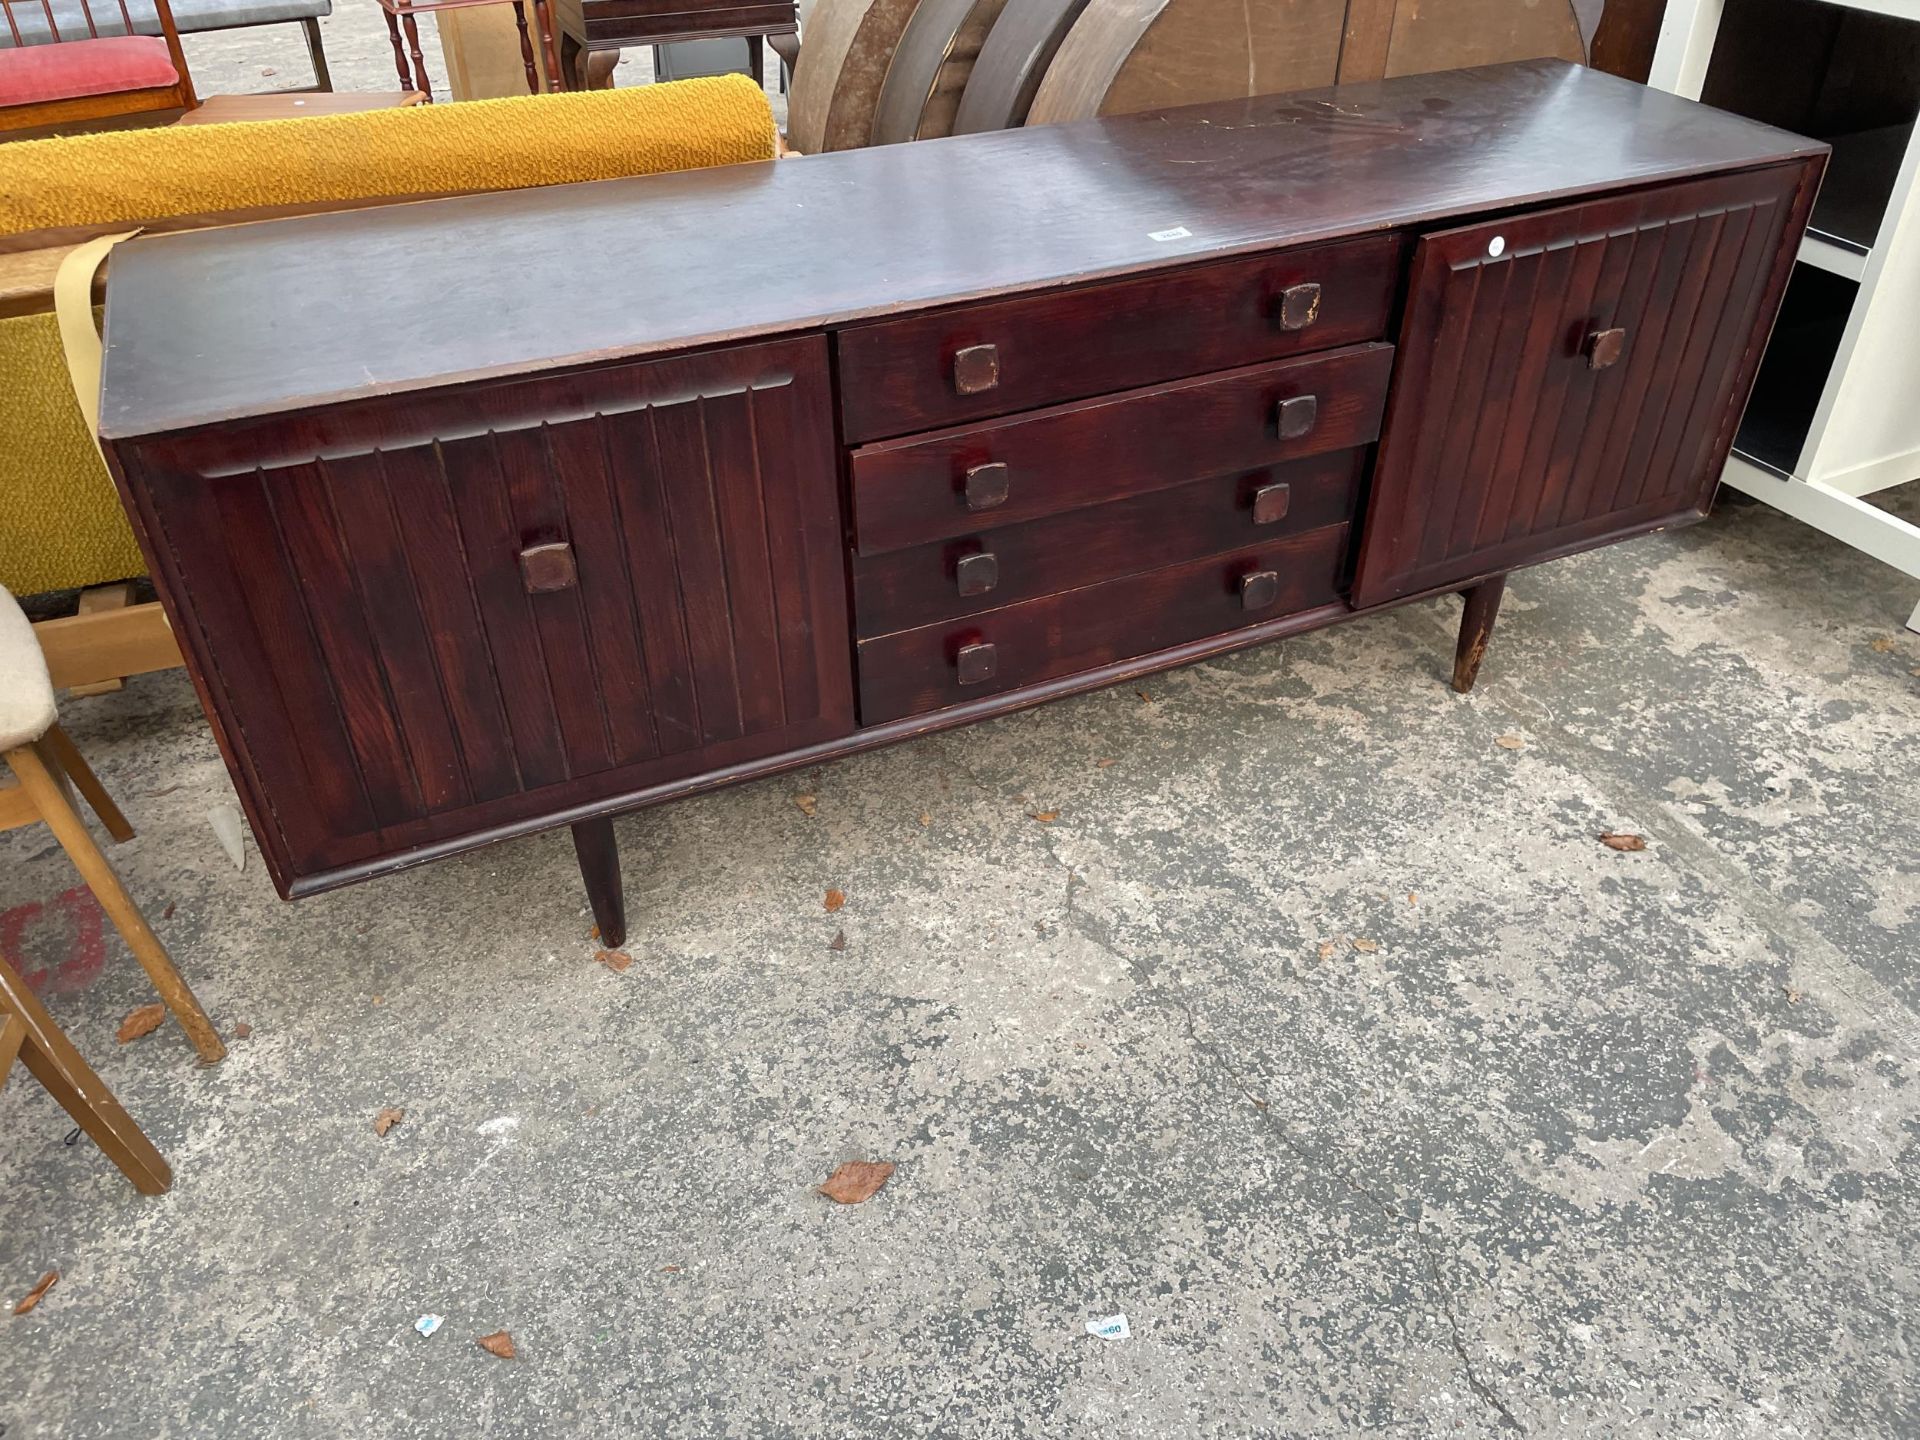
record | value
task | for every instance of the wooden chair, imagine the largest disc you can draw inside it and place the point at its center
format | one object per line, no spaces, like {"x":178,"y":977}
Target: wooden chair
{"x":65,"y":62}
{"x":28,"y":1034}
{"x":43,"y":760}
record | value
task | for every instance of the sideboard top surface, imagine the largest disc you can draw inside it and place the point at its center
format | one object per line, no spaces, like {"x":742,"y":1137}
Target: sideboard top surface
{"x":282,"y":315}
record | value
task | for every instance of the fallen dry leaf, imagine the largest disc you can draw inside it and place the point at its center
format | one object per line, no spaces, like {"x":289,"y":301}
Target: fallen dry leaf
{"x":1144,"y":696}
{"x":242,"y":1030}
{"x":1413,"y":897}
{"x":614,"y":960}
{"x":1366,"y":946}
{"x":857,"y":1181}
{"x":594,"y":933}
{"x":1614,"y":840}
{"x":1103,"y":764}
{"x":1045,"y":817}
{"x":1510,"y":742}
{"x":926,"y":817}
{"x":499,"y":1343}
{"x":167,"y":914}
{"x":1327,"y":947}
{"x":1882,"y":644}
{"x":377,"y":999}
{"x":839,"y":941}
{"x":387,"y":1119}
{"x":141,"y":1020}
{"x":38,"y":1293}
{"x":835,"y":899}
{"x":807,"y":803}
{"x":1793,"y":995}
{"x":669,"y":1269}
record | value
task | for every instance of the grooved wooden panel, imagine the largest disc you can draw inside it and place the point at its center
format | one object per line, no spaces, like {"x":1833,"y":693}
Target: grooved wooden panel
{"x":372,"y":637}
{"x":1502,"y":443}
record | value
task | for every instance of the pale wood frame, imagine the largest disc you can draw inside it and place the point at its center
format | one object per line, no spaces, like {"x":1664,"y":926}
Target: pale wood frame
{"x":82,"y":108}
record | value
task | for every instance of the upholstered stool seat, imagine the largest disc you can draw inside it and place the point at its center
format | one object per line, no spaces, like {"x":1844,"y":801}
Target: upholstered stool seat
{"x":26,"y":695}
{"x":35,"y":74}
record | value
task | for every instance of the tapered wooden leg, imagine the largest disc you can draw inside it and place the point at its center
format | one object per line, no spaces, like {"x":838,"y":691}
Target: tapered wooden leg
{"x":599,"y":855}
{"x":40,"y":777}
{"x":1476,"y":629}
{"x":67,"y":755}
{"x":47,"y":1053}
{"x":399,"y":50}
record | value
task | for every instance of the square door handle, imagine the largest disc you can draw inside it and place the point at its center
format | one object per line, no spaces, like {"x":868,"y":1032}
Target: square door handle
{"x":976,"y":368}
{"x":977,"y":574}
{"x":1296,"y":416}
{"x":987,"y":486}
{"x":1259,"y":590}
{"x":977,"y":663}
{"x":548,"y":567}
{"x":1299,"y":306}
{"x":1270,"y":503}
{"x":1604,"y":348}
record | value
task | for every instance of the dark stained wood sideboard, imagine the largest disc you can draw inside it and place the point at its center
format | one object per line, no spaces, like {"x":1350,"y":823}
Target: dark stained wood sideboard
{"x":672,"y":482}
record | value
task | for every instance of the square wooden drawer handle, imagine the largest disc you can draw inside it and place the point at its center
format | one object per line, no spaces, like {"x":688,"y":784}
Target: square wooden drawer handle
{"x":987,"y":486}
{"x":976,"y":368}
{"x":1299,"y":306}
{"x":548,"y":567}
{"x":976,"y":663}
{"x":977,"y":574}
{"x":1295,"y":417}
{"x":1270,"y":503}
{"x":1604,"y":348}
{"x":1259,"y":590}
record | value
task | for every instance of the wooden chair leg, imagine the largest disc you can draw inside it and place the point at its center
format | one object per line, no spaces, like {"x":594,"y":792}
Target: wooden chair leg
{"x":13,"y":1034}
{"x":69,"y":759}
{"x":41,"y":779}
{"x":599,"y":856}
{"x":50,"y":1057}
{"x":1476,"y":629}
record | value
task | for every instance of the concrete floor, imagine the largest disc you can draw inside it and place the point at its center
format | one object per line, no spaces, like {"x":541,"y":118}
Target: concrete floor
{"x":1576,"y":1142}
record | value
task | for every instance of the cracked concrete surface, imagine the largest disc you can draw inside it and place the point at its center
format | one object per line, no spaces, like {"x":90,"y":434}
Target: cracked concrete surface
{"x":1317,"y":1034}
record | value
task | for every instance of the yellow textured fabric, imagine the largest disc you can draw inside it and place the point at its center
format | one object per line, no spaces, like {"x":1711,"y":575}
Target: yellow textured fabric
{"x":139,"y":175}
{"x":61,"y":524}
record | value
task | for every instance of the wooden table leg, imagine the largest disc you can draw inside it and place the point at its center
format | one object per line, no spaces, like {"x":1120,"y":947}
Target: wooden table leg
{"x":1476,"y":629}
{"x":399,"y":50}
{"x":599,"y":856}
{"x":420,"y":80}
{"x":549,"y":46}
{"x":526,"y":47}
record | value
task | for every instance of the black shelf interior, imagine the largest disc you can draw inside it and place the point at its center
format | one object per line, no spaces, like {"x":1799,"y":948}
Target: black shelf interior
{"x":1849,"y":77}
{"x":1794,"y":371}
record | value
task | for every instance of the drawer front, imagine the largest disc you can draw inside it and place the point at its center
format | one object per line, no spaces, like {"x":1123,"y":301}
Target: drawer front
{"x":987,"y":569}
{"x":914,"y":671}
{"x":1572,"y":376}
{"x":1002,"y":356}
{"x":941,"y":486}
{"x":422,"y":617}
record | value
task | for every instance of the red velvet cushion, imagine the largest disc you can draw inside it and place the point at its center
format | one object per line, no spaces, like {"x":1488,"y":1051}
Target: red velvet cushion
{"x":84,"y":67}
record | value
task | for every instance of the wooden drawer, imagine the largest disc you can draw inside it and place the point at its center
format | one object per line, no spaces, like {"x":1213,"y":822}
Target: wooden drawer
{"x":934,"y":666}
{"x":985,"y":570}
{"x":1006,"y":355}
{"x":956,"y":482}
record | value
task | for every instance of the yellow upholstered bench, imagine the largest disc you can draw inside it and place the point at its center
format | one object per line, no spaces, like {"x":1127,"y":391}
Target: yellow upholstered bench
{"x":61,"y":525}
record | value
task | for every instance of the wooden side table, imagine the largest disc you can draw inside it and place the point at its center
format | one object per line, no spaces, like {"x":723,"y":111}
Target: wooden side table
{"x":413,"y":76}
{"x":584,"y":26}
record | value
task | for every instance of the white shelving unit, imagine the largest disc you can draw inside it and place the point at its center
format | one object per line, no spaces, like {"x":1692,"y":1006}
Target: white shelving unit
{"x":1836,"y":413}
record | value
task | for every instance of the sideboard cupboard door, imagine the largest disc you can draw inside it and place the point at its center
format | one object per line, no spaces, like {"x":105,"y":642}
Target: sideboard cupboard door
{"x":1572,"y":376}
{"x":428,"y":616}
